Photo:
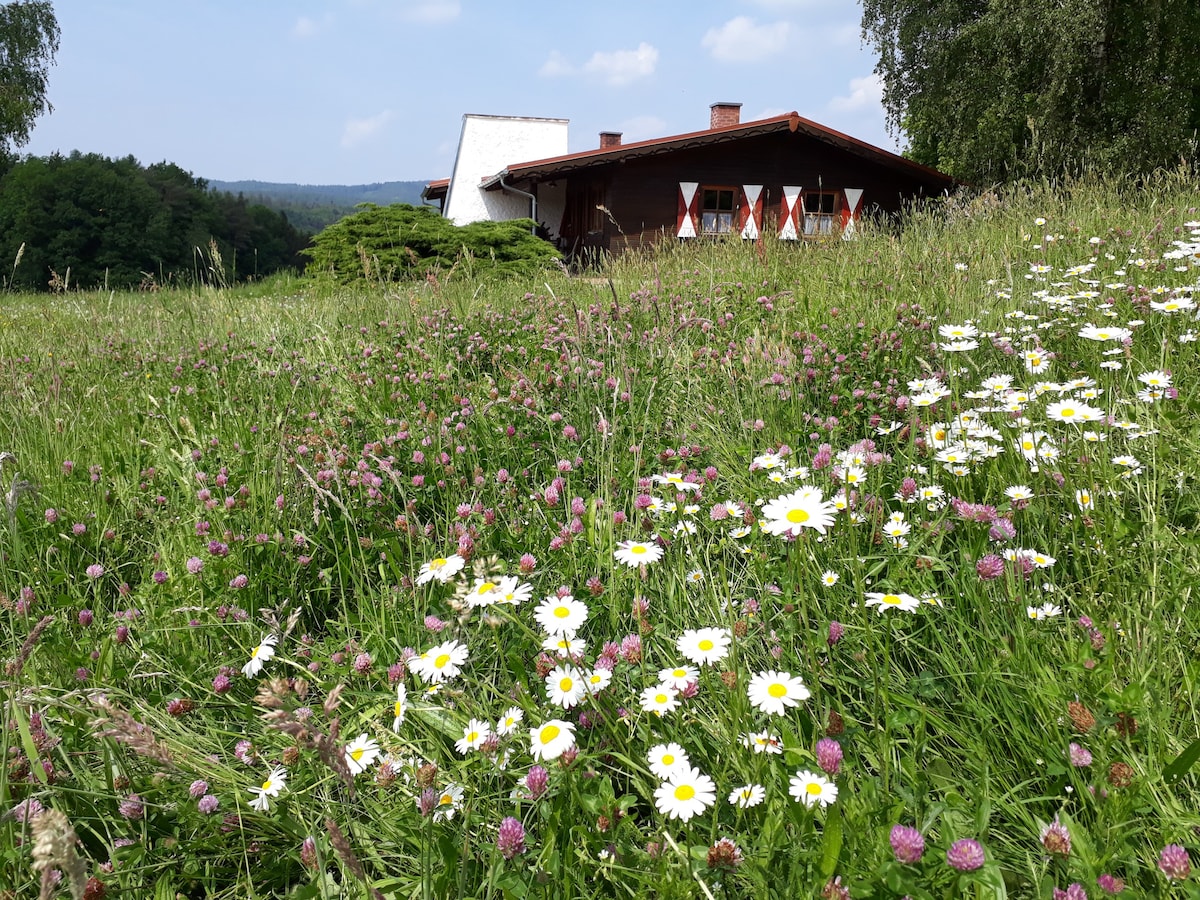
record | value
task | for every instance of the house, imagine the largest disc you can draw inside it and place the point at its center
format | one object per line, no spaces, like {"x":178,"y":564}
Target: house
{"x":785,"y":174}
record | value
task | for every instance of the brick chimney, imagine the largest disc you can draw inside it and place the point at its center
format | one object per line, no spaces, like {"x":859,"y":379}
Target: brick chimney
{"x":722,"y":115}
{"x":610,"y":139}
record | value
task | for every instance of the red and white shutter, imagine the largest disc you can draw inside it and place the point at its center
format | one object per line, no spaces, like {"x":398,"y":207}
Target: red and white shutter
{"x":687,"y":219}
{"x":851,"y":210}
{"x":789,"y":213}
{"x":750,"y":211}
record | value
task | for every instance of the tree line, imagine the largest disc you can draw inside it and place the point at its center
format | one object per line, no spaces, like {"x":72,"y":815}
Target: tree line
{"x":118,"y":224}
{"x":311,"y":207}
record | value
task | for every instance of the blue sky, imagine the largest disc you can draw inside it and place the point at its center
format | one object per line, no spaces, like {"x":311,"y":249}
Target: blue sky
{"x":360,"y":91}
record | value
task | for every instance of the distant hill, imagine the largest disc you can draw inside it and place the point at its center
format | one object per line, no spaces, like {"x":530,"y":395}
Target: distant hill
{"x":310,"y":207}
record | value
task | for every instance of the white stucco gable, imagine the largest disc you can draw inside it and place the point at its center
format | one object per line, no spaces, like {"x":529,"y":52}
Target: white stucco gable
{"x":487,"y":144}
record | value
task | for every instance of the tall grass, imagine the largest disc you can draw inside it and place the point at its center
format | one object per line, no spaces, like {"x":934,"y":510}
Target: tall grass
{"x":217,"y":472}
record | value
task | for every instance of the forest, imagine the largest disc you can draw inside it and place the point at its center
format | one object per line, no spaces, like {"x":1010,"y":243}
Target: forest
{"x":90,"y":221}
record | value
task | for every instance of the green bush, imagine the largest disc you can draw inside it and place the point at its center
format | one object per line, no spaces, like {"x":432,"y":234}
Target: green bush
{"x":402,"y":242}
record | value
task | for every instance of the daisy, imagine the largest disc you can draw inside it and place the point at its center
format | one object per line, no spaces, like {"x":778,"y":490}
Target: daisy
{"x":1036,"y":362}
{"x":660,"y":699}
{"x":829,"y":578}
{"x":774,"y":692}
{"x":1084,"y":498}
{"x":483,"y":593}
{"x":762,"y":742}
{"x":666,"y":758}
{"x":442,"y":569}
{"x":513,"y":591}
{"x":259,"y":655}
{"x":676,"y":480}
{"x":1045,"y":611}
{"x":768,"y":460}
{"x":474,"y":734}
{"x":399,"y":707}
{"x":275,"y":783}
{"x":565,"y":686}
{"x":439,"y":663}
{"x":957,"y":332}
{"x":686,"y":792}
{"x":903,"y":602}
{"x":509,"y":721}
{"x":561,"y":615}
{"x":812,"y":789}
{"x":564,"y":645}
{"x":1155,"y":379}
{"x":679,"y":677}
{"x":1018,"y":493}
{"x":747,"y":795}
{"x":361,"y":753}
{"x":597,"y":680}
{"x":449,"y":802}
{"x":551,"y":739}
{"x":637,"y":553}
{"x":694,"y":577}
{"x":1099,"y":333}
{"x":1072,"y":411}
{"x":804,"y":508}
{"x":704,"y":645}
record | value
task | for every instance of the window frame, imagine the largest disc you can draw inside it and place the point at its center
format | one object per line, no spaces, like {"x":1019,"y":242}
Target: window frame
{"x":819,"y":224}
{"x":716,"y":211}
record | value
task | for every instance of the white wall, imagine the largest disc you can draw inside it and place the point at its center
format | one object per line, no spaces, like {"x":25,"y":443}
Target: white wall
{"x":488,"y":144}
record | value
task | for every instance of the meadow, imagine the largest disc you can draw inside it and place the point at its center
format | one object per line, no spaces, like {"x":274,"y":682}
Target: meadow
{"x":847,"y":569}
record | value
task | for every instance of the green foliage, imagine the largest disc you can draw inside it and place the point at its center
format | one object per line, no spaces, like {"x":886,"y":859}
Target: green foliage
{"x":28,"y":42}
{"x":991,"y":90}
{"x":114,"y":223}
{"x":402,"y":242}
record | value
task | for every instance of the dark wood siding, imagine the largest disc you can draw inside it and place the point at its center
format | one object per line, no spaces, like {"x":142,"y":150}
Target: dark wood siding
{"x":642,"y":194}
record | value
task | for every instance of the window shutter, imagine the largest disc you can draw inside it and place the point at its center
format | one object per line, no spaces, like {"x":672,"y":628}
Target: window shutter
{"x":688,"y":215}
{"x":750,"y":211}
{"x":789,"y":210}
{"x":851,"y":210}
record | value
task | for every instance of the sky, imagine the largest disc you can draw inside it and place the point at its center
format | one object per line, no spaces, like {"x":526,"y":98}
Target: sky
{"x":365,"y":91}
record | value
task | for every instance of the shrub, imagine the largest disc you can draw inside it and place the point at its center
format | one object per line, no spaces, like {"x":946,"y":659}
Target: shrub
{"x":403,"y":242}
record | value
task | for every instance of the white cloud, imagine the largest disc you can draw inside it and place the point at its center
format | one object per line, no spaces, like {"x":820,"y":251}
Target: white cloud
{"x":430,"y":12}
{"x":359,"y":130}
{"x":642,"y":128}
{"x":865,"y":93}
{"x":621,"y":67}
{"x":306,"y":27}
{"x":556,"y":65}
{"x":743,"y":40}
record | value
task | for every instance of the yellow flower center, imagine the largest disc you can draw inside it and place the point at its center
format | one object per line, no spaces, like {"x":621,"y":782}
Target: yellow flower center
{"x":267,"y":785}
{"x":777,"y":690}
{"x":797,"y":516}
{"x":891,"y":599}
{"x":437,"y":563}
{"x":705,"y":645}
{"x":357,"y":753}
{"x":486,"y":588}
{"x":472,"y":737}
{"x":549,"y":733}
{"x":1066,"y":412}
{"x":441,"y":660}
{"x":812,"y":789}
{"x":445,"y":800}
{"x":561,"y":612}
{"x":661,"y":698}
{"x":685,"y":792}
{"x":668,"y":759}
{"x":566,"y":684}
{"x":638,"y":549}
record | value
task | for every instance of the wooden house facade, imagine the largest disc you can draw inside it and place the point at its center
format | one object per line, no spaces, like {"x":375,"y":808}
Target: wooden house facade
{"x":784,"y":175}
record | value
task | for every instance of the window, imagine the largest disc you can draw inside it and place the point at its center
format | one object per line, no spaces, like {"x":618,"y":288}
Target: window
{"x":820,"y":211}
{"x":717,"y":210}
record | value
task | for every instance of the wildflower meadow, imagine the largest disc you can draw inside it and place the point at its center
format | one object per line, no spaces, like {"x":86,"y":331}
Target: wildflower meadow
{"x":838,"y":569}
